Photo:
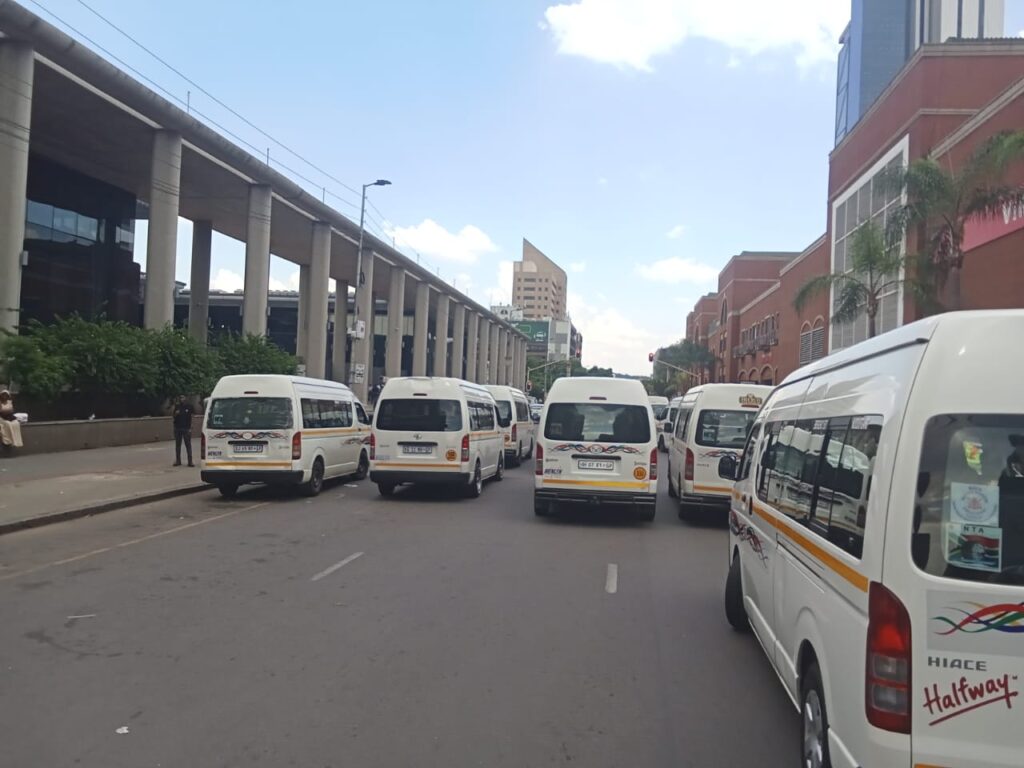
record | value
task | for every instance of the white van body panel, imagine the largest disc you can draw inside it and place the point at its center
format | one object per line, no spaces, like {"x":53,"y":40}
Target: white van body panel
{"x":705,"y":488}
{"x":246,"y":452}
{"x":525,"y":432}
{"x":430,"y":455}
{"x":596,"y":467}
{"x":810,"y":552}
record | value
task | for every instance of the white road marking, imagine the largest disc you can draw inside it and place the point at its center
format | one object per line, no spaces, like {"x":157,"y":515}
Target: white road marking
{"x":336,"y":566}
{"x":129,"y":543}
{"x":83,"y":616}
{"x":611,"y":581}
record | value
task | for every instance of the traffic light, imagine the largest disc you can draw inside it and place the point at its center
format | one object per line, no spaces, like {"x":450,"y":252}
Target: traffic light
{"x":650,"y":357}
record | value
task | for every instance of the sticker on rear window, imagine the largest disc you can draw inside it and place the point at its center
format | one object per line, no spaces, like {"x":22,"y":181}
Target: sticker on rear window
{"x":974,"y":546}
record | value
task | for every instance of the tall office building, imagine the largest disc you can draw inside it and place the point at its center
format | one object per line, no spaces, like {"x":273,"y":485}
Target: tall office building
{"x":882,"y":36}
{"x":538,"y":285}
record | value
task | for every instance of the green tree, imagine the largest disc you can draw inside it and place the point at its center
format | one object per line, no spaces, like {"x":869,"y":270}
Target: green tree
{"x":183,"y":366}
{"x":941,"y":200}
{"x":876,"y":261}
{"x":252,"y":355}
{"x":36,"y":372}
{"x":668,"y":380}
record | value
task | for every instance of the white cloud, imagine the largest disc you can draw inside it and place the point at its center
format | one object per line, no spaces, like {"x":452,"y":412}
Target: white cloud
{"x":602,"y":181}
{"x":678,"y":270}
{"x":578,"y":266}
{"x":676,"y":232}
{"x":291,"y":284}
{"x":432,"y":240}
{"x":610,"y":338}
{"x":226,"y":280}
{"x":501,"y":293}
{"x":463,"y":282}
{"x":630,"y":33}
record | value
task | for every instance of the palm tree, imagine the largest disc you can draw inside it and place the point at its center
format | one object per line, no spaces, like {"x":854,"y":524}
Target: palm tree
{"x":876,"y":261}
{"x":941,"y":200}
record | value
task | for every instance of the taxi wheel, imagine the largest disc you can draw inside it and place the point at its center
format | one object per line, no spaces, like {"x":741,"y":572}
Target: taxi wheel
{"x":646,"y":513}
{"x":672,"y":492}
{"x":364,"y":467}
{"x":813,"y":721}
{"x":228,"y":490}
{"x":499,"y":473}
{"x":476,"y":487}
{"x":542,"y":508}
{"x":386,"y":489}
{"x":735,"y":611}
{"x":316,"y":479}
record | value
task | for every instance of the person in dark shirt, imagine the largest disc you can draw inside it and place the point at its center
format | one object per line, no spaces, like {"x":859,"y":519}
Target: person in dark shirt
{"x":181,"y":416}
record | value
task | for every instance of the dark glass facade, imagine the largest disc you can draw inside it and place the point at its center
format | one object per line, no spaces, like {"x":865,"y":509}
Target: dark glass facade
{"x":79,"y":235}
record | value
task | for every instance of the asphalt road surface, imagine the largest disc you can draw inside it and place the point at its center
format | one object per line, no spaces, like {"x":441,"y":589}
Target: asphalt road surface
{"x":351,"y":631}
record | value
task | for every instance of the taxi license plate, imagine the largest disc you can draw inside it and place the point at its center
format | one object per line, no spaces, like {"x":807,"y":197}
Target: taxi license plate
{"x":595,"y":464}
{"x":418,"y":450}
{"x":248,"y":449}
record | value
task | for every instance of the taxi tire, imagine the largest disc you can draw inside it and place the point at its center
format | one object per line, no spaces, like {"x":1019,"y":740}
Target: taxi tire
{"x":529,"y":455}
{"x":386,"y":489}
{"x":476,"y":486}
{"x":646,"y":514}
{"x":735,"y":611}
{"x":499,"y":473}
{"x":812,"y":693}
{"x":672,"y":492}
{"x":363,"y":468}
{"x":315,"y":484}
{"x":228,"y":490}
{"x":542,"y":508}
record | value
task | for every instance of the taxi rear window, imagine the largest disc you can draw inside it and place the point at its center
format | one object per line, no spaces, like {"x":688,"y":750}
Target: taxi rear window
{"x":969,"y":509}
{"x":598,"y":423}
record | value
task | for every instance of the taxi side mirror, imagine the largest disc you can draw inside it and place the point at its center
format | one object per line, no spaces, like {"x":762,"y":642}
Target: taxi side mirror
{"x":727,"y":467}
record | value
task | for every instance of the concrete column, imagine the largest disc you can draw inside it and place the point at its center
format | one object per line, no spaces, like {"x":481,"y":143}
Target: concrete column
{"x":302,"y":317}
{"x":317,"y":289}
{"x":522,"y":363}
{"x":458,"y":340}
{"x":396,"y":323}
{"x":339,"y":361}
{"x":513,"y":361}
{"x":199,"y":281}
{"x":502,"y":351}
{"x":493,"y":354}
{"x":484,"y":353}
{"x":441,"y":335}
{"x":472,"y":342}
{"x":419,"y":338}
{"x":257,"y":261}
{"x":17,"y":68}
{"x":162,"y":242}
{"x":362,"y":349}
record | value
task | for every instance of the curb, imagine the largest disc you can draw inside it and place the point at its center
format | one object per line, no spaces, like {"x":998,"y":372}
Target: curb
{"x":102,"y":506}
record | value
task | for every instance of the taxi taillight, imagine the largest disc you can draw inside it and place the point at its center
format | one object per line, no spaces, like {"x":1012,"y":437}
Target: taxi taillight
{"x":688,"y":469}
{"x":297,"y":446}
{"x":202,"y":446}
{"x":538,"y":452}
{"x":654,"y":464}
{"x":465,"y":449}
{"x":514,"y":433}
{"x":373,"y":446}
{"x":887,"y":667}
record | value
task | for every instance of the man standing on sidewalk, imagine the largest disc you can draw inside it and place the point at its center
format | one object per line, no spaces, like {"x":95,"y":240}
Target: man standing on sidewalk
{"x":181,"y":416}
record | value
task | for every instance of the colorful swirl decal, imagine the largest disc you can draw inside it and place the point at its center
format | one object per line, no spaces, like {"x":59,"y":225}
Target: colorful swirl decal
{"x":248,"y":435}
{"x":1001,"y":617}
{"x":596,"y":449}
{"x":745,"y":533}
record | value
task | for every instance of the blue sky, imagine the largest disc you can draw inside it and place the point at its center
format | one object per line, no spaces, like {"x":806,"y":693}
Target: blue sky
{"x":638,"y":143}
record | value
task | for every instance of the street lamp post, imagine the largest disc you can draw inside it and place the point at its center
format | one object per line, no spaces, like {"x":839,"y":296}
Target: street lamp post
{"x":359,"y":272}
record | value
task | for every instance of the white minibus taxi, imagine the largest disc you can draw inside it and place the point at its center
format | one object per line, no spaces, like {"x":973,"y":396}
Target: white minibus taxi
{"x":518,"y":431}
{"x":667,"y":426}
{"x":435,"y":430}
{"x":286,"y":430}
{"x":712,"y":421}
{"x":877,"y":545}
{"x":597,"y":444}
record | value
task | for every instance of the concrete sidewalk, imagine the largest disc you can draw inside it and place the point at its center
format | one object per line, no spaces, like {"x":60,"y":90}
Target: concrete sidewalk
{"x":44,"y":488}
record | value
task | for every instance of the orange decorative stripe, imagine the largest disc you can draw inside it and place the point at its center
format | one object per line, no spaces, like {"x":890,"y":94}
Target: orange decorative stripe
{"x":249,"y":464}
{"x":423,"y":465}
{"x":830,"y":561}
{"x":595,"y":484}
{"x":328,"y":431}
{"x":711,"y":489}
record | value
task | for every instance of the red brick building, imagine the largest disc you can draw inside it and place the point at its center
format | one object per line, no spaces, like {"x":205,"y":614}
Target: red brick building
{"x":945,"y":101}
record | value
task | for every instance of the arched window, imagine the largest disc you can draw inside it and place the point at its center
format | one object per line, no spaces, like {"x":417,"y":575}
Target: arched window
{"x":767,"y":377}
{"x":818,"y":339}
{"x":743,"y":377}
{"x":805,"y":343}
